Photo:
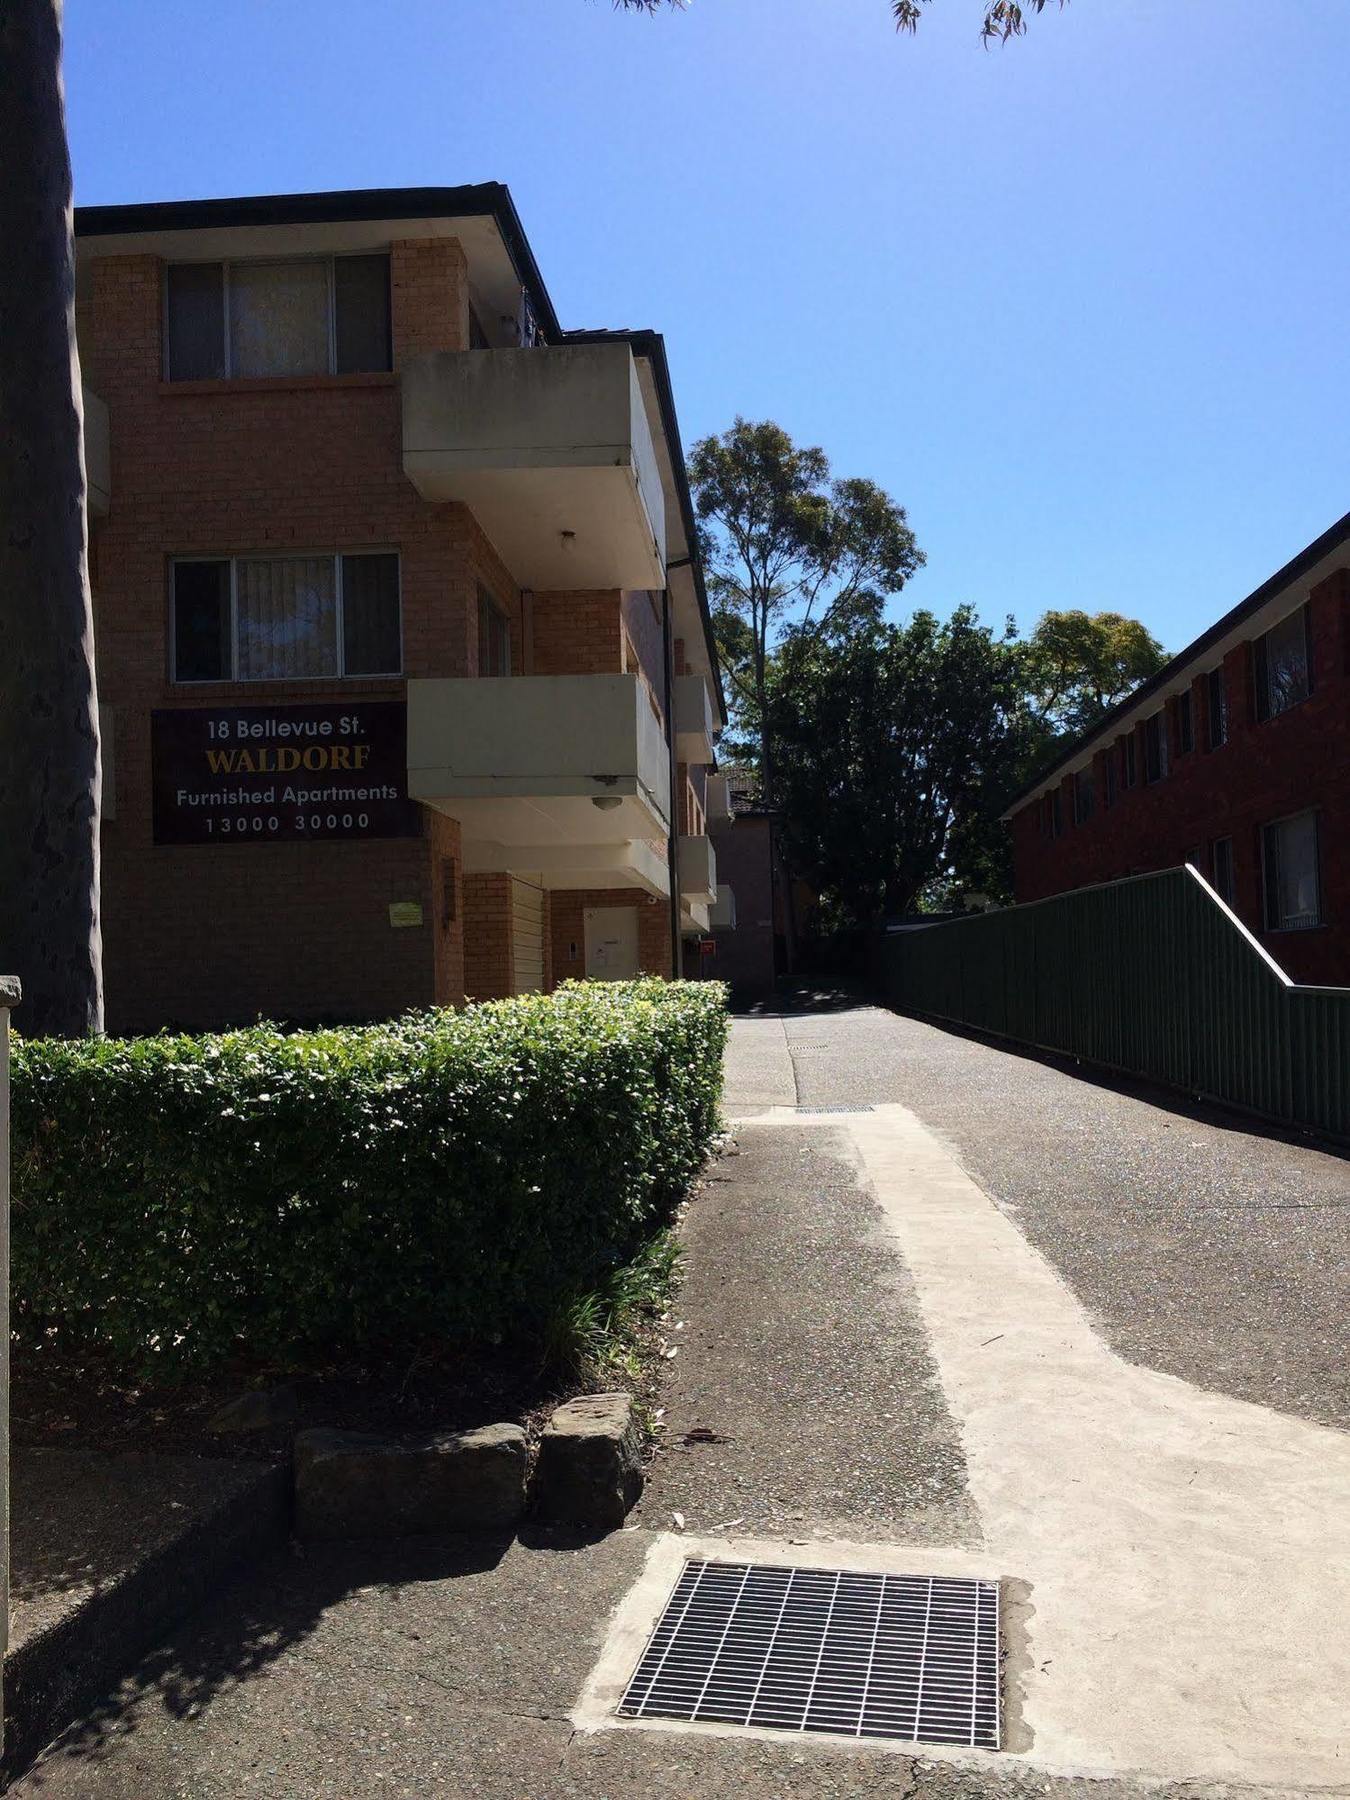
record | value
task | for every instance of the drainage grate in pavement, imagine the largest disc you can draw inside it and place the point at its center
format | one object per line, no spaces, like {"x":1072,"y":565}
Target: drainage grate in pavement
{"x":857,"y":1655}
{"x":836,"y":1106}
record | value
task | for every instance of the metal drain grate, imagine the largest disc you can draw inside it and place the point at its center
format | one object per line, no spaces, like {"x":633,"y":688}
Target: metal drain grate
{"x":836,"y":1106}
{"x":857,"y":1655}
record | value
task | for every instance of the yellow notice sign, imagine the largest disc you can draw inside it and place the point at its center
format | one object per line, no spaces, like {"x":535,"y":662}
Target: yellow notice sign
{"x":405,"y":912}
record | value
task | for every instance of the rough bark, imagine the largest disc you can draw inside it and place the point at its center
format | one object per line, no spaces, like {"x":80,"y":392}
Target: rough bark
{"x":49,"y":754}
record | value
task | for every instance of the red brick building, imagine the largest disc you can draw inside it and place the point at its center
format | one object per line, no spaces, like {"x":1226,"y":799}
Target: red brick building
{"x":406,"y":679}
{"x":1235,"y":758}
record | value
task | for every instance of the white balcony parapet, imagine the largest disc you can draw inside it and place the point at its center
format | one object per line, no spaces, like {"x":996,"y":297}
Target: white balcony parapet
{"x":97,"y":454}
{"x":695,"y":720}
{"x":541,"y":761}
{"x":698,"y":870}
{"x":723,"y":912}
{"x":551,"y":449}
{"x":717,"y":800}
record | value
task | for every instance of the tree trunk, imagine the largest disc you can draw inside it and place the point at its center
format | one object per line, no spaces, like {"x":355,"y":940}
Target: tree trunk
{"x":49,"y":755}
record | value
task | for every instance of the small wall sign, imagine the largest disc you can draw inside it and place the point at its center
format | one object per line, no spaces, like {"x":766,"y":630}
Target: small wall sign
{"x":281,"y":774}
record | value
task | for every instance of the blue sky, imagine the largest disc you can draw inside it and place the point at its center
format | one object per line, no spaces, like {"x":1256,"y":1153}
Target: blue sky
{"x":1080,"y":303}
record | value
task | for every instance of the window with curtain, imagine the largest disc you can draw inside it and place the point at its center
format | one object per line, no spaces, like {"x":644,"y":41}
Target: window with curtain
{"x":285,"y":618}
{"x":1293,"y":890}
{"x":314,"y":315}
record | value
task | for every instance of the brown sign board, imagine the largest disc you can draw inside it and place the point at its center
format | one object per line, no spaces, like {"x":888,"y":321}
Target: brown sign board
{"x":281,"y":774}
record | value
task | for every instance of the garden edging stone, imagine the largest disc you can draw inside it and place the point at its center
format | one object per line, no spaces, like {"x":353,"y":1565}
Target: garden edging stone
{"x":351,"y":1484}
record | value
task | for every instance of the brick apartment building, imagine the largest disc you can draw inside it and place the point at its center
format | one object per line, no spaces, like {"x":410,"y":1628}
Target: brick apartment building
{"x":749,"y":933}
{"x":406,"y":678}
{"x":1235,"y":758}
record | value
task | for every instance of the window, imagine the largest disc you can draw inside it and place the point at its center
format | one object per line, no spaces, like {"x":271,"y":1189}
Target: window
{"x":1217,"y":691}
{"x":1129,"y":760}
{"x":1283,"y":665}
{"x":1084,"y":796}
{"x":494,"y":637}
{"x":1155,"y":747}
{"x":1052,"y":821}
{"x":280,"y":618}
{"x":1293,"y":898}
{"x":1221,"y":867}
{"x":1110,"y":780}
{"x":1185,"y":724}
{"x":317,"y":315}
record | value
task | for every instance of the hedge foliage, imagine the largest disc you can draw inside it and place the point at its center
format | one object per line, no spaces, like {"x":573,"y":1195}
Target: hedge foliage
{"x":182,"y":1200}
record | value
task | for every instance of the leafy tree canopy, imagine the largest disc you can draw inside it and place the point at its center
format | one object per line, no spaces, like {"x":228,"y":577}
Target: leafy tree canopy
{"x":888,"y":740}
{"x":794,"y":556}
{"x":1078,"y":665}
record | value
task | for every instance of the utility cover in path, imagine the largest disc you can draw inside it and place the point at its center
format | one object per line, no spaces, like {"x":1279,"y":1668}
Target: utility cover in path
{"x":857,"y":1655}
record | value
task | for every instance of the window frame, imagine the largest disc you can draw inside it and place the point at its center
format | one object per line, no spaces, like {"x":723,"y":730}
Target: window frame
{"x":1265,"y":711}
{"x":225,"y":264}
{"x":1269,"y":869}
{"x":1084,"y":795}
{"x":1129,"y":759}
{"x":1216,"y":683}
{"x":1227,"y":892}
{"x":1185,"y":711}
{"x":233,"y":558}
{"x":486,"y":598}
{"x":1159,"y":722}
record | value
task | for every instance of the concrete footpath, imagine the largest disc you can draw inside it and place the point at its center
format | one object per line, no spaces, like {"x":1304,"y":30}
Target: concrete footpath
{"x":889,"y":1359}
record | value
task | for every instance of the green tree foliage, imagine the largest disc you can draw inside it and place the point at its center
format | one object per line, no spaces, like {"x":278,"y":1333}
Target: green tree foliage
{"x":888,"y":740}
{"x":795,"y":557}
{"x":1078,"y":665}
{"x":1002,"y":19}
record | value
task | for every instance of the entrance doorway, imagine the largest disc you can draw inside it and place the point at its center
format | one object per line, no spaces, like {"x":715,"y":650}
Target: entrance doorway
{"x":611,"y":943}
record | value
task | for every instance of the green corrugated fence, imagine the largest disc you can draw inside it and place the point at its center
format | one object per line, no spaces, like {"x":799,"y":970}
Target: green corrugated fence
{"x":1152,"y":976}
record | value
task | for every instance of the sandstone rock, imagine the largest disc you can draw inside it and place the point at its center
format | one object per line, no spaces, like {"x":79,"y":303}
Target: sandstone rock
{"x":590,"y":1467}
{"x":348,"y":1484}
{"x":263,"y":1410}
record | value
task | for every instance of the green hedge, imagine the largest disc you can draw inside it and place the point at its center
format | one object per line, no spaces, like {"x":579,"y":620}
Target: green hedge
{"x":182,"y":1200}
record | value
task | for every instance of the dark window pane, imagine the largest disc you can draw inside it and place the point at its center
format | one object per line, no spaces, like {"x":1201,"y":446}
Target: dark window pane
{"x":1223,"y":868}
{"x":196,"y":321}
{"x":201,"y":621}
{"x":370,"y":622}
{"x":361,"y":298}
{"x":1185,"y":725}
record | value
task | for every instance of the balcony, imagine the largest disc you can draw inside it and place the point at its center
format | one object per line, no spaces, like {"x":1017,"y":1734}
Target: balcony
{"x":551,"y":450}
{"x":566,"y":777}
{"x":717,"y":802}
{"x":698,"y":871}
{"x":723,"y":914}
{"x":695,"y":720}
{"x":97,"y":457}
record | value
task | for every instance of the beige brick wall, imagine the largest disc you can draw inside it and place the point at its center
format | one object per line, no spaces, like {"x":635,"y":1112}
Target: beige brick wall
{"x":202,"y":935}
{"x":569,"y":934}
